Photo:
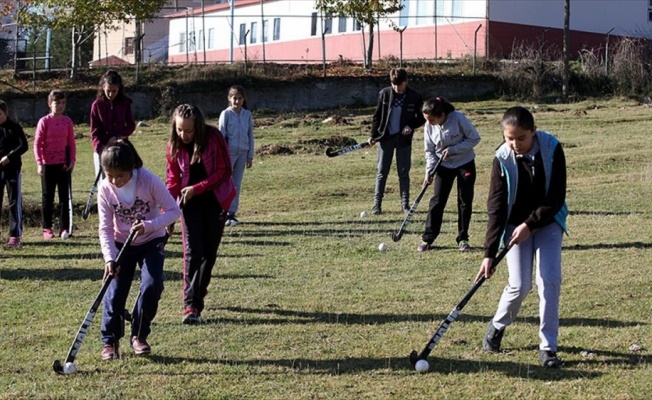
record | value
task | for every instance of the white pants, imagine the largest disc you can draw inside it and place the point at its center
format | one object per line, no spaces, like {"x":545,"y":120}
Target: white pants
{"x":544,"y":247}
{"x":239,"y":162}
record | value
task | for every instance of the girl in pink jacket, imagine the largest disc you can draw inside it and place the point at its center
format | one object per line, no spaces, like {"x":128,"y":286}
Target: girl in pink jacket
{"x":199,"y":175}
{"x":131,"y":198}
{"x":55,"y":152}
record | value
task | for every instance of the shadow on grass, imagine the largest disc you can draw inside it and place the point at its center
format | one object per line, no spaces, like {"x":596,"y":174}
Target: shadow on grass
{"x":356,"y":365}
{"x":308,"y":317}
{"x":608,"y":246}
{"x":83,"y":274}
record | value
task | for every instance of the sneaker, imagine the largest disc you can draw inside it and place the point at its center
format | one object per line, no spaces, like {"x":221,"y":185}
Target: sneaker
{"x":191,"y":316}
{"x":140,"y":345}
{"x":110,"y":351}
{"x":64,"y":234}
{"x":376,"y":209}
{"x":13,"y":242}
{"x":464,"y":245}
{"x":48,"y":234}
{"x":233,"y":221}
{"x":492,"y":338}
{"x":405,"y":208}
{"x":424,"y":246}
{"x":549,"y":359}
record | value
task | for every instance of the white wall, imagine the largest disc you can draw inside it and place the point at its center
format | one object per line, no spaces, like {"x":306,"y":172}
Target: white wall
{"x":598,"y":16}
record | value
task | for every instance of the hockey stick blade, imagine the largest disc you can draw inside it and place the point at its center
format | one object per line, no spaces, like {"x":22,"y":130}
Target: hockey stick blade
{"x":58,"y":367}
{"x":334,"y":153}
{"x":414,"y":356}
{"x":82,"y":332}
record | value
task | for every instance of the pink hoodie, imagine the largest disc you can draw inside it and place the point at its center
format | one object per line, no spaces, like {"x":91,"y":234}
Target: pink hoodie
{"x":152,"y":204}
{"x":54,"y":141}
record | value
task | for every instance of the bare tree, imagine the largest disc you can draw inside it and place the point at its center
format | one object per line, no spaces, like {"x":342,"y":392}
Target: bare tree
{"x":566,"y":77}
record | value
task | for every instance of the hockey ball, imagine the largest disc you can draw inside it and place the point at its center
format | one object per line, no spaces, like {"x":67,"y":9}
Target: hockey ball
{"x":69,"y":368}
{"x":382,"y":246}
{"x":421,"y":366}
{"x":363,"y":214}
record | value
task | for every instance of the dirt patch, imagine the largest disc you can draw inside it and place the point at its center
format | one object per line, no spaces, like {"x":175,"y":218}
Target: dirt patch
{"x":310,"y":146}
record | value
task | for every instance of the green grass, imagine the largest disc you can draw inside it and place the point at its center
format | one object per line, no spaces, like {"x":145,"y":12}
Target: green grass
{"x":303,"y":305}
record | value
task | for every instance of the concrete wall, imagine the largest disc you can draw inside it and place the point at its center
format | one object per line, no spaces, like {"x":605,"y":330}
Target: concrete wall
{"x":299,"y":96}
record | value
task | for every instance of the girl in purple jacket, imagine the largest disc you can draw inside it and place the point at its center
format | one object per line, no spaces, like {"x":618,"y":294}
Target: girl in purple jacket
{"x":199,"y":175}
{"x":111,"y":114}
{"x":131,"y":198}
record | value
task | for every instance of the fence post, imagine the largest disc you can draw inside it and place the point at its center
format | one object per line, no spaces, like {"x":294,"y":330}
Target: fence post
{"x":475,"y":46}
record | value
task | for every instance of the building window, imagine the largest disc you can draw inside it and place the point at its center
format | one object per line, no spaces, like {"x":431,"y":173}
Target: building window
{"x":253,"y":32}
{"x":357,"y":25}
{"x":243,"y":34}
{"x":129,"y":45}
{"x":211,"y":38}
{"x":328,"y":24}
{"x":341,"y":24}
{"x":424,"y":12}
{"x":200,"y":40}
{"x":277,"y":29}
{"x":191,"y":41}
{"x":313,"y":24}
{"x":182,"y":42}
{"x":265,"y":29}
{"x":404,"y":16}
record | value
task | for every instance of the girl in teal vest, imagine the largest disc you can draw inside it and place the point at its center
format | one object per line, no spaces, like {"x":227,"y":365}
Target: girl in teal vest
{"x":527,"y":210}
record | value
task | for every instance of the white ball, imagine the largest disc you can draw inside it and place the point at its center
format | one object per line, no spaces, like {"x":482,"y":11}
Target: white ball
{"x":421,"y":366}
{"x":382,"y":246}
{"x":65,"y":235}
{"x":69,"y":368}
{"x":363,"y":214}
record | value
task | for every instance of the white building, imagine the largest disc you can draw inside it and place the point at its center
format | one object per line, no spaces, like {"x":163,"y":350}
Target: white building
{"x":291,"y":30}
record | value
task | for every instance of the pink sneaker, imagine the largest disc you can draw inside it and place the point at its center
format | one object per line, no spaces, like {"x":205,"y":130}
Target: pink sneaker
{"x":13,"y":242}
{"x":48,"y":234}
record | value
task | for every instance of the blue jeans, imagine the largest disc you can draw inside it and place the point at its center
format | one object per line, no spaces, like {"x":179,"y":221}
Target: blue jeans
{"x":150,"y":256}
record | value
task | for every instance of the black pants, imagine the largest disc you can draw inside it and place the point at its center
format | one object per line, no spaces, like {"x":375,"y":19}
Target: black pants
{"x":55,"y":178}
{"x":12,"y":180}
{"x":202,"y":228}
{"x":443,"y":183}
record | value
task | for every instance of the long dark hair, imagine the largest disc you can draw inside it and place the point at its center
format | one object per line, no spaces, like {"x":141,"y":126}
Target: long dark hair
{"x":518,"y":116}
{"x":437,"y":106}
{"x":120,"y":154}
{"x":111,"y":77}
{"x":237,"y":89}
{"x":187,"y":111}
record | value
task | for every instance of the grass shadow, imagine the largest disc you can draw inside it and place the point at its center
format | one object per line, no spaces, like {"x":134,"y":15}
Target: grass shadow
{"x":400,"y":364}
{"x":281,"y":316}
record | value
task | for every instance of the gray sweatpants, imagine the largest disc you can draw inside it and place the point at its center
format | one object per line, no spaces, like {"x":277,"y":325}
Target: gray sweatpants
{"x":543,"y":250}
{"x":403,"y":163}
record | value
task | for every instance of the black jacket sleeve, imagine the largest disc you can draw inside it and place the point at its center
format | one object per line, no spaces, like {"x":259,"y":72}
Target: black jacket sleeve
{"x":496,"y":210}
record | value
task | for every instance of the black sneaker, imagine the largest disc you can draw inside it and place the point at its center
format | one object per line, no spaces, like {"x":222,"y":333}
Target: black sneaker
{"x":376,"y":209}
{"x":549,"y":359}
{"x":406,"y":208}
{"x":492,"y":338}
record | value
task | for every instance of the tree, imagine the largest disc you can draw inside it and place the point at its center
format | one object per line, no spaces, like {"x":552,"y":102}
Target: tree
{"x":566,"y":77}
{"x":366,"y":12}
{"x":83,"y":17}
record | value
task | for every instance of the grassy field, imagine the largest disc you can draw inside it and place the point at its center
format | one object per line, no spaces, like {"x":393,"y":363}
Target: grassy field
{"x":303,"y":305}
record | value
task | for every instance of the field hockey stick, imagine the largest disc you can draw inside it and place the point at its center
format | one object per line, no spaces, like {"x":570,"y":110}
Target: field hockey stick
{"x":70,"y":210}
{"x":396,"y":236}
{"x":414,"y":356}
{"x":333,"y":153}
{"x":88,"y":319}
{"x":89,"y":202}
